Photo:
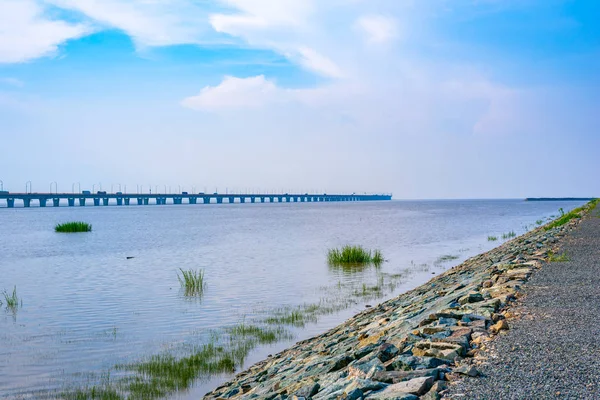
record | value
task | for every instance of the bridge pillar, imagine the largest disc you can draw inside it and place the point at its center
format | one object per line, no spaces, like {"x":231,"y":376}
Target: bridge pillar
{"x":262,"y":199}
{"x":82,"y":202}
{"x":206,"y":200}
{"x":271,"y":199}
{"x":96,"y":201}
{"x":140,"y":201}
{"x":192,"y":200}
{"x":280,"y":199}
{"x":252,"y":199}
{"x":231,"y":199}
{"x":10,"y":203}
{"x":219,"y":200}
{"x":119,"y":201}
{"x":43,"y":202}
{"x":71,"y":201}
{"x":105,"y":201}
{"x":242,"y":199}
{"x":146,"y":201}
{"x":26,"y":202}
{"x":56,"y":202}
{"x":127,"y":200}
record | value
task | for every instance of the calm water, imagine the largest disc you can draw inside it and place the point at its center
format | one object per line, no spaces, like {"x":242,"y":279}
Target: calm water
{"x":87,"y":308}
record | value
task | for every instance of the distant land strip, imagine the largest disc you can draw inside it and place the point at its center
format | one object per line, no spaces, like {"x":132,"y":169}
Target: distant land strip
{"x":559,"y":198}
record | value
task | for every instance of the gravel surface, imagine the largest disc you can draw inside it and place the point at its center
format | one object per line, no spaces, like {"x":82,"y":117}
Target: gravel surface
{"x":553,"y":350}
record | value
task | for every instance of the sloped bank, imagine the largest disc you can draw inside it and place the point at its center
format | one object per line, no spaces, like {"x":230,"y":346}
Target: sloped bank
{"x":410,"y":346}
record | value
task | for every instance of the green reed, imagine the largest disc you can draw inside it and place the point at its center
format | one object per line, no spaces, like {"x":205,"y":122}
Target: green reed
{"x":192,"y":281}
{"x":73,"y":227}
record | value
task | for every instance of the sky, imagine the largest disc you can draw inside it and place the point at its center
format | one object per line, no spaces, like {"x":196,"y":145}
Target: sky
{"x":426,"y":99}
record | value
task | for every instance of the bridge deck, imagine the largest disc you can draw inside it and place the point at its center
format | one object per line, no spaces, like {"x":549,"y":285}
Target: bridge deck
{"x":106,"y":199}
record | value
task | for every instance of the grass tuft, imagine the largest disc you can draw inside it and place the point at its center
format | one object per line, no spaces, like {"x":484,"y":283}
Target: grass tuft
{"x":558,"y":257}
{"x":354,"y":255}
{"x":509,"y":235}
{"x":73,"y":227}
{"x":12,"y":300}
{"x":492,"y":238}
{"x":192,"y":282}
{"x":575,"y":213}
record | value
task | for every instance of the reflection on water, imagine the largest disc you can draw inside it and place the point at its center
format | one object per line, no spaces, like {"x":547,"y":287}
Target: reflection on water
{"x":88,"y":307}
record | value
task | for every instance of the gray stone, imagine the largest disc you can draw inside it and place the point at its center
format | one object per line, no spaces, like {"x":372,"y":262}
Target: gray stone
{"x":340,"y":362}
{"x":471,"y":298}
{"x":365,"y":369}
{"x":387,"y":351}
{"x":468,"y":370}
{"x":417,"y":386}
{"x":308,"y":390}
{"x":356,"y":394}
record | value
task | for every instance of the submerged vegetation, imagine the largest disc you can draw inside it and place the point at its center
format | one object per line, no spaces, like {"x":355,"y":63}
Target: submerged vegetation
{"x":509,"y":235}
{"x":73,"y":227}
{"x":446,"y":258}
{"x":164,"y":374}
{"x":11,"y":300}
{"x":192,"y":281}
{"x":354,"y":255}
{"x":492,"y":238}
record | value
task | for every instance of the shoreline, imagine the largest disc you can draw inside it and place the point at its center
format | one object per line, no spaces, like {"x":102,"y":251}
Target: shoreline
{"x":411,"y":345}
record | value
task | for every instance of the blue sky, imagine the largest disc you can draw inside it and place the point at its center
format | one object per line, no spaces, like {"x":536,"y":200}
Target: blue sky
{"x":425,"y":99}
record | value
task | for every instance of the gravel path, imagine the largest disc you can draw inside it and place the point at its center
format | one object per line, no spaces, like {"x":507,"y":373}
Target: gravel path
{"x":553,"y":350}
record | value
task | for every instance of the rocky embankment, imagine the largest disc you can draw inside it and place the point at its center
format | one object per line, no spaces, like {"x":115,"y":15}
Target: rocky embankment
{"x":411,"y":346}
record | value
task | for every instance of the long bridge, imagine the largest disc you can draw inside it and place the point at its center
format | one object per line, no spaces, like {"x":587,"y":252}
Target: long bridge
{"x":119,"y":199}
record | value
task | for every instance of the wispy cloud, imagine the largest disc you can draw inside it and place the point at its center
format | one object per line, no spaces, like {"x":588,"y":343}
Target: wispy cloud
{"x":27,"y":33}
{"x":14,"y":82}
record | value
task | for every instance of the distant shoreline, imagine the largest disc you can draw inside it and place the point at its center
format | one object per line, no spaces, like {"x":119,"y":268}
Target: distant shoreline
{"x":559,"y":198}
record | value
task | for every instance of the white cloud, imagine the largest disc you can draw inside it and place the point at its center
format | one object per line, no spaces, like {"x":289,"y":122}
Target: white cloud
{"x":261,"y":14}
{"x":378,"y":28}
{"x":26,"y":33}
{"x":234,"y":93}
{"x":312,"y":60}
{"x":147,"y":22}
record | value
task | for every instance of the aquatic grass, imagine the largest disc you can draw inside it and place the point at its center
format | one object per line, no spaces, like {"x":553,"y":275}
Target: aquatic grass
{"x":492,"y":238}
{"x":192,"y":281}
{"x":446,"y":258}
{"x":552,"y":257}
{"x":509,"y":235}
{"x":377,"y":257}
{"x":293,"y":317}
{"x":73,"y":227}
{"x":354,"y":256}
{"x":262,"y":334}
{"x":12,"y":300}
